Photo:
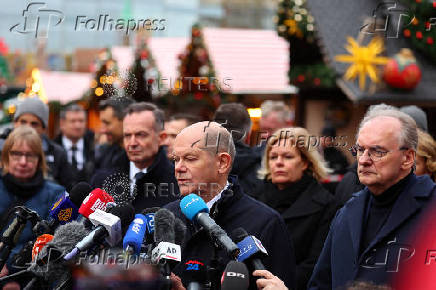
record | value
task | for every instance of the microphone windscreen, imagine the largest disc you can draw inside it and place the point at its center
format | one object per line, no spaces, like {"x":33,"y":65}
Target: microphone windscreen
{"x":135,"y":234}
{"x":125,"y":212}
{"x":194,"y":270}
{"x":179,"y":231}
{"x":235,"y":276}
{"x":79,"y":192}
{"x":191,"y":205}
{"x":239,"y":234}
{"x":164,"y":226}
{"x":40,"y":243}
{"x":96,"y":199}
{"x":118,"y":186}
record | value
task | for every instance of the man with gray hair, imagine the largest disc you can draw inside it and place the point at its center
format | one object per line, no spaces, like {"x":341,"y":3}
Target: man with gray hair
{"x":368,"y":238}
{"x":203,"y":155}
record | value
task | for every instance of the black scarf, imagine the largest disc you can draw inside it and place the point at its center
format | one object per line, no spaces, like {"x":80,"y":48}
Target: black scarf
{"x":281,"y":200}
{"x":21,"y":189}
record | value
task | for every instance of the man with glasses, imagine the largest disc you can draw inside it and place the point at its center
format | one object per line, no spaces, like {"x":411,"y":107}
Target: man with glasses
{"x":368,"y":237}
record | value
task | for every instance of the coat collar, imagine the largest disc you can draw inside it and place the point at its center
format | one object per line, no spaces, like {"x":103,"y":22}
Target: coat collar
{"x":312,"y":200}
{"x":404,"y":207}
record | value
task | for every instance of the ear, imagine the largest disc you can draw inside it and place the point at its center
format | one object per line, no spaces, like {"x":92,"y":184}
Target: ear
{"x":162,"y":138}
{"x":224,"y":162}
{"x":408,"y":159}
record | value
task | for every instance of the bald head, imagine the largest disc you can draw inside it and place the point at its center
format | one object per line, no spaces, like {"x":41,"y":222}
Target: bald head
{"x":210,"y":136}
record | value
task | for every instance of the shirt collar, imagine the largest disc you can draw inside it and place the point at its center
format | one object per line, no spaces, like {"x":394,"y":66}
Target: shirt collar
{"x":133,"y":170}
{"x":68,"y":144}
{"x":211,"y":202}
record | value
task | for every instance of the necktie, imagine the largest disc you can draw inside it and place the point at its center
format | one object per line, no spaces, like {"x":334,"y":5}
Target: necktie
{"x":73,"y":156}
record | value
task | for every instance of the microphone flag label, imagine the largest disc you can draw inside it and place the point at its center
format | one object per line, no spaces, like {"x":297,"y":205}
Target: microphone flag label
{"x":64,"y":210}
{"x":249,"y":246}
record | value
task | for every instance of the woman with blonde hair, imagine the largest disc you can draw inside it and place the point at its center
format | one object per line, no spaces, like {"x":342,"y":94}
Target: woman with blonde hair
{"x":291,"y":170}
{"x":22,"y":182}
{"x":426,"y":155}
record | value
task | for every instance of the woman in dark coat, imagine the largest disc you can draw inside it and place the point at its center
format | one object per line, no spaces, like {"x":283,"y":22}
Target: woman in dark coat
{"x":291,"y":169}
{"x":23,"y":183}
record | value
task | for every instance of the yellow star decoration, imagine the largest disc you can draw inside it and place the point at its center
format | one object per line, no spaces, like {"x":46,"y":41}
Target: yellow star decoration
{"x":364,"y":60}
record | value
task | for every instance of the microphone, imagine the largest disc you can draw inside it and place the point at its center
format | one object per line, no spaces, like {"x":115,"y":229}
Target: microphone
{"x":195,"y":209}
{"x":135,"y":235}
{"x":109,"y":226}
{"x":39,"y":244}
{"x":194,"y":274}
{"x":96,"y":199}
{"x":235,"y":276}
{"x":11,"y":235}
{"x":166,"y":253}
{"x":149,"y":215}
{"x":251,"y":248}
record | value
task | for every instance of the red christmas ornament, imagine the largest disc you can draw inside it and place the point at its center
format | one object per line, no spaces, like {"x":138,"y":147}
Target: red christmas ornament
{"x":427,"y":25}
{"x":434,"y":4}
{"x":419,"y":34}
{"x":144,"y":54}
{"x":429,"y":40}
{"x":150,"y":81}
{"x":418,"y":1}
{"x":198,"y":95}
{"x":402,"y":72}
{"x":407,"y":33}
{"x":301,"y":78}
{"x":317,"y":81}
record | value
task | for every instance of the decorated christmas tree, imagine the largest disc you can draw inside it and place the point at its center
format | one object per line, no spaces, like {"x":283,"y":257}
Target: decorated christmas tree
{"x":4,"y":67}
{"x":195,"y":87}
{"x":421,"y":31}
{"x":144,"y":73}
{"x":106,"y":73}
{"x":296,"y":24}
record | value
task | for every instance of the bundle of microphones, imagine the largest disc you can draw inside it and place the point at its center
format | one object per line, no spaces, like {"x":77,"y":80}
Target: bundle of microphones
{"x":87,"y":220}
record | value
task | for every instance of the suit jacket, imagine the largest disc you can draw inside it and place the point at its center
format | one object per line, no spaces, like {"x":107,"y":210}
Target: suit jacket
{"x":88,"y":169}
{"x":340,"y":261}
{"x":236,"y":209}
{"x":155,"y":189}
{"x":307,"y":219}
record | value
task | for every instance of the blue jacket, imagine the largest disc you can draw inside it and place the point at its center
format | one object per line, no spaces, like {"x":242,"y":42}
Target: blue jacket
{"x":340,"y":262}
{"x":236,"y":209}
{"x":41,"y":202}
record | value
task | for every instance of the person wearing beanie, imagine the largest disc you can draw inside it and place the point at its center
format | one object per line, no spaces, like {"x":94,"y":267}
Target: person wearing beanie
{"x":34,"y":113}
{"x":418,"y":115}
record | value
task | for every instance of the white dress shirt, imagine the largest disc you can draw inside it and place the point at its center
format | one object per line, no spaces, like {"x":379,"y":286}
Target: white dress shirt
{"x":80,"y":152}
{"x":132,"y":172}
{"x":211,"y":202}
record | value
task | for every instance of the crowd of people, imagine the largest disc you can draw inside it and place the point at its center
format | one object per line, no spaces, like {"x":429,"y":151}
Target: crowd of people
{"x":317,"y":236}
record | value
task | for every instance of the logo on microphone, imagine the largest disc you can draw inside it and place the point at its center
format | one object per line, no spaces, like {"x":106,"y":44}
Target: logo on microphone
{"x":193,"y":265}
{"x":65,"y":214}
{"x":57,"y":203}
{"x":98,"y":204}
{"x":235,"y":274}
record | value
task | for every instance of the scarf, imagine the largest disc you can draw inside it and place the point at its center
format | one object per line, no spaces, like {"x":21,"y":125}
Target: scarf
{"x":21,"y":189}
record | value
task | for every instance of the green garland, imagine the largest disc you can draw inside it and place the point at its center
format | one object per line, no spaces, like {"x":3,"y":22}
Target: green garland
{"x":420,"y":33}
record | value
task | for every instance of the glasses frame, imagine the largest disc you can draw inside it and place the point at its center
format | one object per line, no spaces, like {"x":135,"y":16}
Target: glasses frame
{"x":372,"y":156}
{"x":29,"y":157}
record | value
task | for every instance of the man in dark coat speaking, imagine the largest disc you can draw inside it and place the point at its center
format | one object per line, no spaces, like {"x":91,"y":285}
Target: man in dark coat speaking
{"x":203,"y":154}
{"x":368,"y":237}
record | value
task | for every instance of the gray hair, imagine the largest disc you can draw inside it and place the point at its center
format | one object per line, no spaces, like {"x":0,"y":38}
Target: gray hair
{"x":71,"y":108}
{"x":409,"y":133}
{"x":158,"y":114}
{"x":280,"y":107}
{"x":217,"y":139}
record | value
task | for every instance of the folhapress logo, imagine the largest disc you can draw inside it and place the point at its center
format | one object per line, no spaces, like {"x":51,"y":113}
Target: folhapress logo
{"x":38,"y":20}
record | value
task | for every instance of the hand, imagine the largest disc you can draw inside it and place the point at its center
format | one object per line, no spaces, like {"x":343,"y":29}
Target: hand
{"x":4,"y":271}
{"x":177,"y":282}
{"x":10,"y":285}
{"x":269,"y":281}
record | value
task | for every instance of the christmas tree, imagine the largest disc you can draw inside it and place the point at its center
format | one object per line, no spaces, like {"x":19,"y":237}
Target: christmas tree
{"x":106,"y":73}
{"x":4,"y":67}
{"x":421,"y":31}
{"x":196,"y":86}
{"x":144,"y":73}
{"x":296,"y":24}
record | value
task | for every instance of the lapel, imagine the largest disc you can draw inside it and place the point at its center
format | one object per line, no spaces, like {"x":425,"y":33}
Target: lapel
{"x":405,"y":206}
{"x":309,"y":202}
{"x":356,"y":208}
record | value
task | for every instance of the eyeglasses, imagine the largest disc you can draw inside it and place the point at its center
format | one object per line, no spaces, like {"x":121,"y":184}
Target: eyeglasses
{"x":374,"y":153}
{"x":30,"y":157}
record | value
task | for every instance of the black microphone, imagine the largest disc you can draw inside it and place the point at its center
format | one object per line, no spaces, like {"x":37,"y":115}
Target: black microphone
{"x":109,"y":226}
{"x":251,"y":248}
{"x":11,"y":235}
{"x":166,"y":253}
{"x":235,"y":276}
{"x":194,"y":274}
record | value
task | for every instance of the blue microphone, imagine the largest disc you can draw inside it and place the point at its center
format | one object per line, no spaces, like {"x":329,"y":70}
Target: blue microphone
{"x":135,"y":234}
{"x":251,"y":248}
{"x":196,"y":210}
{"x":64,"y":210}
